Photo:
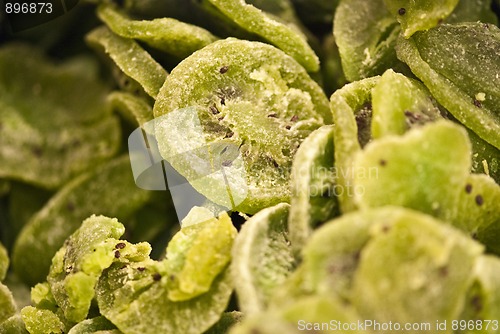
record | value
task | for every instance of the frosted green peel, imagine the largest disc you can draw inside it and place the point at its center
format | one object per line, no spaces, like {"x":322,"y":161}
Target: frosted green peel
{"x":314,"y":198}
{"x":420,"y":14}
{"x":166,"y":34}
{"x":461,"y":70}
{"x":345,"y":104}
{"x":249,"y":97}
{"x":400,"y":170}
{"x":287,"y":38}
{"x":400,"y":103}
{"x":262,"y":258}
{"x":131,"y":58}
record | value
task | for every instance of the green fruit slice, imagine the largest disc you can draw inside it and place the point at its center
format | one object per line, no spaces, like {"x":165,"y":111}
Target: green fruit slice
{"x":411,"y":261}
{"x":232,"y":115}
{"x":417,"y":171}
{"x":314,"y":198}
{"x":61,"y":127}
{"x":264,"y":236}
{"x":459,"y":65}
{"x":131,"y":58}
{"x":366,"y":34}
{"x":400,"y":103}
{"x":351,"y":110}
{"x":288,"y":39}
{"x":420,"y":15}
{"x":166,"y":34}
{"x":108,"y":190}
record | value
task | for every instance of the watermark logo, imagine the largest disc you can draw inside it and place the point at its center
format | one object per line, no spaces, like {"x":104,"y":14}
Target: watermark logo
{"x":213,"y":171}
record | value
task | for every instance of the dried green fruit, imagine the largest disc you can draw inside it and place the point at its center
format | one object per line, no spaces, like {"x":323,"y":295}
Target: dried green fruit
{"x":4,"y":262}
{"x":228,"y":320}
{"x":416,"y":171}
{"x":483,"y":299}
{"x":38,"y":321}
{"x":52,"y":119}
{"x":232,"y":115}
{"x":346,"y":104}
{"x":331,"y":255}
{"x":366,"y":34}
{"x":77,"y":266}
{"x":459,"y":65}
{"x":287,"y":38}
{"x":107,"y":190}
{"x":314,"y":197}
{"x":193,"y":259}
{"x":262,"y":258}
{"x":7,"y":303}
{"x":97,"y":325}
{"x":421,"y":14}
{"x":131,"y":58}
{"x":420,"y":258}
{"x":135,"y":109}
{"x":136,"y":296}
{"x":400,"y":103}
{"x":166,"y":34}
{"x":473,"y":11}
{"x":265,"y":323}
{"x":13,"y":325}
{"x":478,"y":206}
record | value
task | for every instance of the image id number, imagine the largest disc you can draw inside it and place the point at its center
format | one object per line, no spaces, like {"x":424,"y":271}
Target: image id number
{"x":28,"y":8}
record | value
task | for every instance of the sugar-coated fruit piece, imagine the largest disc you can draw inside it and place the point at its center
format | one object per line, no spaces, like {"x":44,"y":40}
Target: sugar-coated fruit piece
{"x":99,"y":325}
{"x":197,"y":254}
{"x":414,"y":268}
{"x":135,"y":299}
{"x":400,"y":103}
{"x":135,"y":109}
{"x":245,"y":100}
{"x":459,"y":65}
{"x":166,"y":34}
{"x":366,"y":34}
{"x":346,"y":104}
{"x":314,"y":192}
{"x":77,"y":266}
{"x":7,"y":303}
{"x":417,"y":170}
{"x":130,"y":58}
{"x":478,"y":209}
{"x":54,"y":124}
{"x":262,"y":258}
{"x":109,"y":190}
{"x":38,"y":321}
{"x":4,"y":262}
{"x":421,"y":14}
{"x":288,"y":39}
{"x":483,"y":298}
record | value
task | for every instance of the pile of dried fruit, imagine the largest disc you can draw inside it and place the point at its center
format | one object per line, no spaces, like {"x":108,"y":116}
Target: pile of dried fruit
{"x":378,"y":205}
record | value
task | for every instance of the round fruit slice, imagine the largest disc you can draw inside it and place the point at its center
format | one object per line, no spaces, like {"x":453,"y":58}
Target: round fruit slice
{"x":230,"y":118}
